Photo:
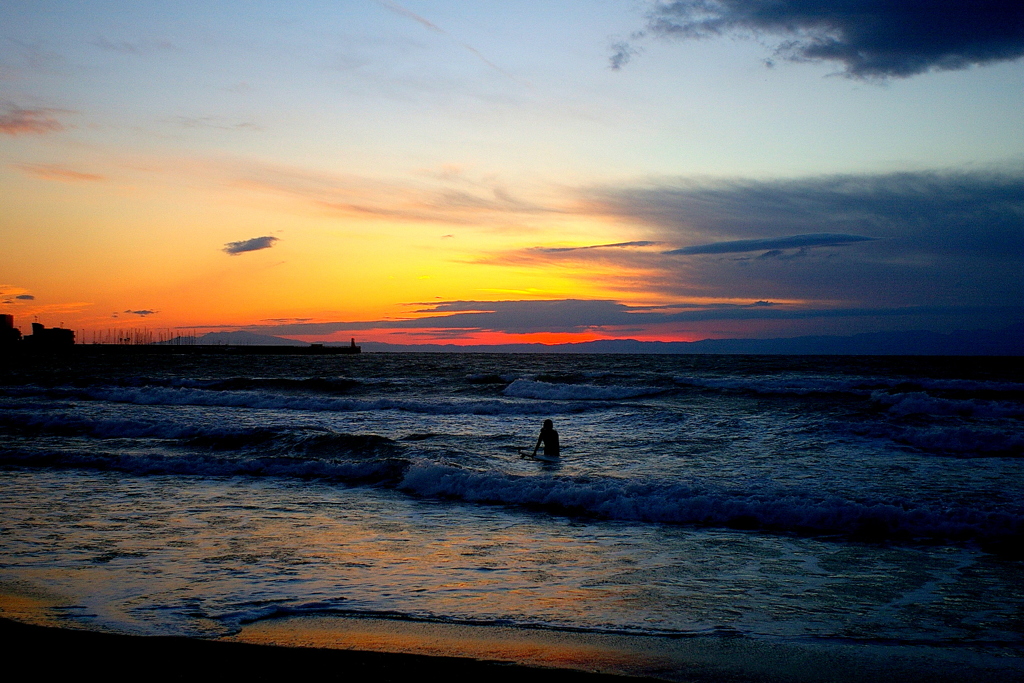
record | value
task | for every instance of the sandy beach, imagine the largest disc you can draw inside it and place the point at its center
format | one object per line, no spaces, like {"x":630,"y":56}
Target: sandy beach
{"x":381,"y":649}
{"x":88,"y":654}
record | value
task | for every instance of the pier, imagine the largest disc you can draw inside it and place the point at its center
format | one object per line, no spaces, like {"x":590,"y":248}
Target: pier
{"x":140,"y":342}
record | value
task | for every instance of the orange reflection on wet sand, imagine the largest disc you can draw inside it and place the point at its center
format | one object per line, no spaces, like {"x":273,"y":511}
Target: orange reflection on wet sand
{"x":587,"y":652}
{"x":30,"y":605}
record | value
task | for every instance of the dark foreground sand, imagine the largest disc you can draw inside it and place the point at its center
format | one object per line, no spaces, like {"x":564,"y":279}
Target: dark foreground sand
{"x":47,"y":653}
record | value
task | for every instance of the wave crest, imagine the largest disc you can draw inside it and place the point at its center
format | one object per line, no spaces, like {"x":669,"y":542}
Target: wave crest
{"x":525,"y":388}
{"x":680,"y":504}
{"x":920,"y":403}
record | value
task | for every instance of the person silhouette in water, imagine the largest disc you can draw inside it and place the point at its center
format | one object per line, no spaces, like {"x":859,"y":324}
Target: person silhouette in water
{"x":549,"y":437}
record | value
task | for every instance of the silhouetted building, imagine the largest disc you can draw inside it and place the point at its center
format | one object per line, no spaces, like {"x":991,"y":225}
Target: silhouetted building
{"x":50,"y":338}
{"x":9,"y":334}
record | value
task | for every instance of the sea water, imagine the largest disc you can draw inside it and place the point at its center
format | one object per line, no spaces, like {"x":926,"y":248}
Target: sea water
{"x":784,"y":499}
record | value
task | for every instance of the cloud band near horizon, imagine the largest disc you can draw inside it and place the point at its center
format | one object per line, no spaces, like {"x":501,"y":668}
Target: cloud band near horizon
{"x":576,"y":315}
{"x":778,"y":243}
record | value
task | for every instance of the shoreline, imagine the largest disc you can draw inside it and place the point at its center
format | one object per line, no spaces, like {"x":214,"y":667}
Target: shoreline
{"x":113,"y":656}
{"x":382,"y":650}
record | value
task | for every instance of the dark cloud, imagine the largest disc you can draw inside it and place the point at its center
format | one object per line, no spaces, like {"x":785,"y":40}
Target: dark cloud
{"x":455,"y":319}
{"x":952,"y":212}
{"x":519,"y":317}
{"x":870,"y":38}
{"x":775,"y":244}
{"x":25,"y":297}
{"x":516,"y":317}
{"x":617,"y":245}
{"x":254,"y":244}
{"x":18,"y":121}
{"x":142,"y":313}
{"x":874,"y":241}
{"x":622,"y":53}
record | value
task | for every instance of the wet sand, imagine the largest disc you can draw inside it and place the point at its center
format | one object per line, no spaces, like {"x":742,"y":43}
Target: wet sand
{"x":330,"y":651}
{"x":90,"y":655}
{"x":362,"y":648}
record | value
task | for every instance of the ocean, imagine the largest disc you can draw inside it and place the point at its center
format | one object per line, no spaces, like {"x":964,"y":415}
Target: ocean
{"x":800,"y":502}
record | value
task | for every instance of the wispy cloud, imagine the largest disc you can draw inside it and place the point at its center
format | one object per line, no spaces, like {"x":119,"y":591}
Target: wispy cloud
{"x":431,"y":26}
{"x":774,"y":244}
{"x":58,"y":173}
{"x":10,"y":294}
{"x":143,"y":46}
{"x":869,"y":38}
{"x":450,"y":200}
{"x":17,"y":121}
{"x":402,"y":11}
{"x":617,"y":245}
{"x":216,"y":123}
{"x":143,"y":312}
{"x":253,"y":244}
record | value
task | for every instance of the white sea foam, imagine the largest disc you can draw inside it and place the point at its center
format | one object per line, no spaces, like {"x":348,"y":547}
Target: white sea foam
{"x":602,"y":497}
{"x":185,"y":396}
{"x":633,"y":501}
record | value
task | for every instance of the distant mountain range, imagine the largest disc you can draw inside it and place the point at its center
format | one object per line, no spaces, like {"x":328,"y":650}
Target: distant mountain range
{"x":1006,"y":342}
{"x":243,"y":338}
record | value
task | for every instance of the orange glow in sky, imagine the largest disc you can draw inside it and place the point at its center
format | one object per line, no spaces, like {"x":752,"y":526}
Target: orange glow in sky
{"x":351,"y":164}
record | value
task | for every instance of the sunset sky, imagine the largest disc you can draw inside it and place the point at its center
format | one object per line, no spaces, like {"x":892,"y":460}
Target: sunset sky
{"x":477,"y":172}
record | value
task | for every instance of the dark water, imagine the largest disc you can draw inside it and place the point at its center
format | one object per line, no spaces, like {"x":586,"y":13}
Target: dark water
{"x":866,"y":499}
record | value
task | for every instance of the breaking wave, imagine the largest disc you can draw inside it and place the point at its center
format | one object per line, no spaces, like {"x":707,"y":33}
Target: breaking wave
{"x":296,"y":440}
{"x":604,"y":498}
{"x":798,"y":386}
{"x":964,"y":441}
{"x":856,"y":386}
{"x":373,"y":471}
{"x":525,"y":388}
{"x":182,"y":396}
{"x":680,"y":504}
{"x":920,"y":403}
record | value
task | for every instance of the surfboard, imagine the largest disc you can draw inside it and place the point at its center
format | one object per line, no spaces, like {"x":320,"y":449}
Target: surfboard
{"x":527,"y":454}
